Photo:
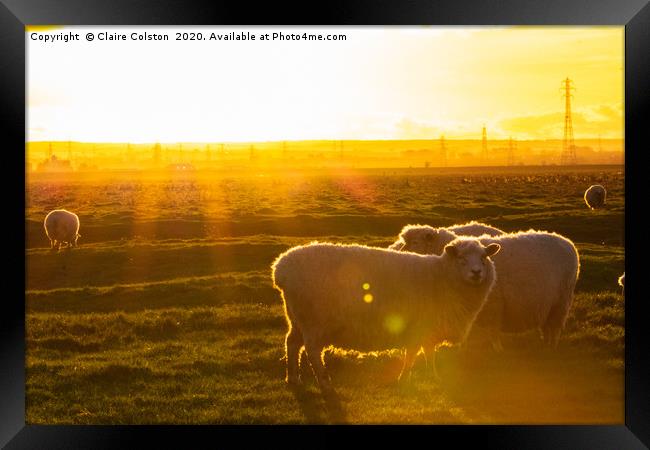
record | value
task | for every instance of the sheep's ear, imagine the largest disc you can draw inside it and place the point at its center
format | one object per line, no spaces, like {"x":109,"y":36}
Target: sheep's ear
{"x":492,"y":249}
{"x":397,"y":245}
{"x":451,"y":250}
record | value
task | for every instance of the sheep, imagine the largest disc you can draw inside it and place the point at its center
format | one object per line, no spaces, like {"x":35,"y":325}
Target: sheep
{"x":537,"y":271}
{"x":423,"y":239}
{"x":422,"y":232}
{"x":368,"y":298}
{"x":595,"y":196}
{"x":62,"y":226}
{"x":475,"y":228}
{"x":621,"y":282}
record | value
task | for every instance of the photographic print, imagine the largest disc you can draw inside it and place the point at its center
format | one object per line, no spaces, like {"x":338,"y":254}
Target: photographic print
{"x":325,"y":225}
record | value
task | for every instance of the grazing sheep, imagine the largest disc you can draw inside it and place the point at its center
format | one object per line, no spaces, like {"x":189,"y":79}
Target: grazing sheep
{"x":621,"y":282}
{"x":366,"y":298}
{"x":422,"y":235}
{"x":537,"y":276}
{"x":62,"y":226}
{"x":595,"y":196}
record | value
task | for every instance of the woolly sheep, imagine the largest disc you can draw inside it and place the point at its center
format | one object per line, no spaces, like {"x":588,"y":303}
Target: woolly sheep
{"x":475,"y":228}
{"x":422,"y":232}
{"x":366,"y":298}
{"x":621,"y":282}
{"x":595,"y":196}
{"x":62,"y":226}
{"x":537,"y":276}
{"x":423,"y":239}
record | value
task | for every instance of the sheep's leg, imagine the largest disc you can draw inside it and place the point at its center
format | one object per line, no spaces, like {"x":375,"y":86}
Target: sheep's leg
{"x":431,"y":350}
{"x":496,"y":344}
{"x":434,"y":371}
{"x":495,"y":340}
{"x":551,"y":337}
{"x":315,"y":356}
{"x":293,"y":347}
{"x":52,"y":243}
{"x":409,"y":360}
{"x":555,"y":322}
{"x":430,"y":354}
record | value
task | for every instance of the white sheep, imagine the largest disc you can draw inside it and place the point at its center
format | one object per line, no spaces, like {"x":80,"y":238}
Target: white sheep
{"x":62,"y":226}
{"x":537,"y":272}
{"x":621,"y":282}
{"x":595,"y":196}
{"x":420,"y":232}
{"x":367,"y":298}
{"x":475,"y":228}
{"x":423,"y":239}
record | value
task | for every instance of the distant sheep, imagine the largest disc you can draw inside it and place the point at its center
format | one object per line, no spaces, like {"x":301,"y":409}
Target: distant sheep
{"x":61,"y":227}
{"x":537,"y":273}
{"x":424,"y":234}
{"x":621,"y":282}
{"x":595,"y":196}
{"x":366,"y":298}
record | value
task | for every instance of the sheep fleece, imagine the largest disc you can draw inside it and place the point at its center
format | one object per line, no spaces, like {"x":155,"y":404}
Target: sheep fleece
{"x":413,"y":296}
{"x":474,"y":228}
{"x":62,"y":226}
{"x":537,"y":272}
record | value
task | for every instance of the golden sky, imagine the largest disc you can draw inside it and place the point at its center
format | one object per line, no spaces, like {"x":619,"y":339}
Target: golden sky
{"x":380,"y":83}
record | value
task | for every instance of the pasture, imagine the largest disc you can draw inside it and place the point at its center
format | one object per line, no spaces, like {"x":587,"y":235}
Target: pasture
{"x":165,"y":314}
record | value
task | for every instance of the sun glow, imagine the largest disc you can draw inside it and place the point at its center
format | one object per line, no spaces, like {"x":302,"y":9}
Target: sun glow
{"x":378,"y":83}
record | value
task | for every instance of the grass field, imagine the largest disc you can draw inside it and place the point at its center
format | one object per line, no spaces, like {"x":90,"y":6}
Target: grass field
{"x":166,"y":313}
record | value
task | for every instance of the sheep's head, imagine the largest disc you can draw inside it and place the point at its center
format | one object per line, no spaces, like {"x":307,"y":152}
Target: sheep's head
{"x":471,"y":260}
{"x":424,"y":239}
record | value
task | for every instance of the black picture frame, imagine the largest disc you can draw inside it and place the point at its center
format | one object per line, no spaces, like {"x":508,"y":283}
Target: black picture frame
{"x":15,"y":14}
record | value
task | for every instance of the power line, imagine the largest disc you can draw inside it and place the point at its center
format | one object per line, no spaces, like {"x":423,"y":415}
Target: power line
{"x":512,"y":146}
{"x":484,"y":147}
{"x":443,"y":150}
{"x":568,"y":156}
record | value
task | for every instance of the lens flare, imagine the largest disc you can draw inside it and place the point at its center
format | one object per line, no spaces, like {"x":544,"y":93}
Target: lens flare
{"x":394,"y":324}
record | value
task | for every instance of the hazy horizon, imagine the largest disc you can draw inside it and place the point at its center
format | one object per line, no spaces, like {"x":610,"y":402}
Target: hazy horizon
{"x":71,"y":155}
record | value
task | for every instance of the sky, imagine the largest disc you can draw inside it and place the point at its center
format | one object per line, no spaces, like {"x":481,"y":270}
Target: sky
{"x":379,"y":83}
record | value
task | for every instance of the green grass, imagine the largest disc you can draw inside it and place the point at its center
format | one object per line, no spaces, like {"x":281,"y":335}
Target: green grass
{"x":222,"y":364}
{"x":166,"y":313}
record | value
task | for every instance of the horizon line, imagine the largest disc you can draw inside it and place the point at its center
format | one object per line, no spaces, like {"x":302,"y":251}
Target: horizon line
{"x":318,"y":140}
